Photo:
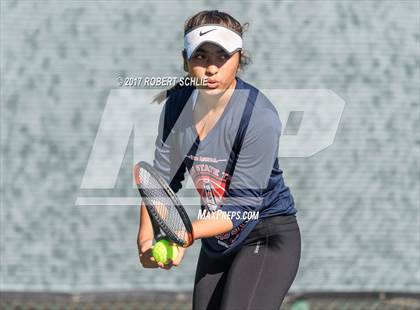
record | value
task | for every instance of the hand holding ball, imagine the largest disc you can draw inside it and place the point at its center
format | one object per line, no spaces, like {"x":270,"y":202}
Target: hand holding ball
{"x":163,"y":251}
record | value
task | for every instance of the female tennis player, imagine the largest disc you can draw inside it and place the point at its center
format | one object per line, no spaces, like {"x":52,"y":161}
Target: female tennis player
{"x":226,"y":134}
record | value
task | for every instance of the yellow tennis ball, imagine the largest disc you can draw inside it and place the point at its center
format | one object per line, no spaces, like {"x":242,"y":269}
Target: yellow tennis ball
{"x":173,"y":252}
{"x":163,"y":251}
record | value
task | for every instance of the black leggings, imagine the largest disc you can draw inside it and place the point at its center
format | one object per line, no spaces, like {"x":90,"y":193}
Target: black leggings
{"x":258,"y":276}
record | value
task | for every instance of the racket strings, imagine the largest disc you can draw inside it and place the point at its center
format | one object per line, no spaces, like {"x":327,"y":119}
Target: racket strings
{"x":163,"y":206}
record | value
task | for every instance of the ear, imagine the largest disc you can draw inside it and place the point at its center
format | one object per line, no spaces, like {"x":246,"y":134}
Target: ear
{"x":184,"y":56}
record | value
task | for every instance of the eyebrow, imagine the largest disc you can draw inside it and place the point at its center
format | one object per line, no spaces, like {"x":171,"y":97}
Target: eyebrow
{"x":220,"y":51}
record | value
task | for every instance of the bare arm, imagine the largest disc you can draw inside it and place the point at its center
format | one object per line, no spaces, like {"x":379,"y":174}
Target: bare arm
{"x":203,"y":228}
{"x":218,"y":224}
{"x":145,"y":235}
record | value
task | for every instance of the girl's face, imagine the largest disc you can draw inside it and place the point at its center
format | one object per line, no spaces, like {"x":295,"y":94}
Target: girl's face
{"x":212,"y":62}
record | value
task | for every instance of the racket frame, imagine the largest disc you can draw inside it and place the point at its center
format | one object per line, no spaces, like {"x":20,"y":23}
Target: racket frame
{"x":158,"y":223}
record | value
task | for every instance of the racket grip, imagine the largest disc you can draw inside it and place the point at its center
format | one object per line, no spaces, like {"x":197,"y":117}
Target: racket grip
{"x":190,"y":240}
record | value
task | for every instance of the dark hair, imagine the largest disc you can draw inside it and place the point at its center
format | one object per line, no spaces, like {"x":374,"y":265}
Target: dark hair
{"x":211,"y":17}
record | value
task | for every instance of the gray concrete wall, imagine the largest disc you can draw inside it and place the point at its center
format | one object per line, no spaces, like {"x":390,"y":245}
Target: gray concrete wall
{"x":358,"y":200}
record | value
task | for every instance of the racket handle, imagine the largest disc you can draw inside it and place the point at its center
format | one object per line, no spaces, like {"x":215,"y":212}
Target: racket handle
{"x":190,"y":240}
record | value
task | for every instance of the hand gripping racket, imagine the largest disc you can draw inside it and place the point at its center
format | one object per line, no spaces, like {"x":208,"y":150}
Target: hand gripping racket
{"x":169,"y":219}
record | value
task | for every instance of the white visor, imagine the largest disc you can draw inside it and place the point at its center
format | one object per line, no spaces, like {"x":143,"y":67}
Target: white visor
{"x":227,"y":39}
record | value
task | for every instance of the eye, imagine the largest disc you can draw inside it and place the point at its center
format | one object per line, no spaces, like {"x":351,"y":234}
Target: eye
{"x":198,"y":56}
{"x":224,"y":56}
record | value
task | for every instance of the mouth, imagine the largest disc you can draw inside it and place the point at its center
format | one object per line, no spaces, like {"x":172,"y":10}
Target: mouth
{"x":212,"y":83}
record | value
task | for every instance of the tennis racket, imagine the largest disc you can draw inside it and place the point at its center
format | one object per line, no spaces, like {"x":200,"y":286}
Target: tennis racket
{"x":169,"y":219}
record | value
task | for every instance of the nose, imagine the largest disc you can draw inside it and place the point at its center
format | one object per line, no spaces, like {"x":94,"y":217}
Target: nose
{"x":212,"y":69}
